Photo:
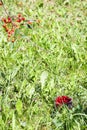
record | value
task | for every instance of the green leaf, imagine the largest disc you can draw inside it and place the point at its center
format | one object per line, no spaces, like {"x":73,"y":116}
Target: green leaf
{"x":43,"y":78}
{"x":13,"y":122}
{"x":19,"y":106}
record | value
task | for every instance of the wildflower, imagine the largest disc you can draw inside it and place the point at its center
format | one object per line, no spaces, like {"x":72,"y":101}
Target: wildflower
{"x":60,"y":100}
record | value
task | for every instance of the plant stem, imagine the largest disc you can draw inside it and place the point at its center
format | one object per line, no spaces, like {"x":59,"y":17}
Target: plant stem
{"x":4,"y":8}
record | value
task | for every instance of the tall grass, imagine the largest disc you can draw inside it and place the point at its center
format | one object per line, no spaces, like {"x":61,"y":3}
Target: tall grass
{"x":44,"y":62}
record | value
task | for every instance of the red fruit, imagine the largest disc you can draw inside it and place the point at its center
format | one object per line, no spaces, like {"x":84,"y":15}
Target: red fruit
{"x":18,"y":20}
{"x":23,"y":18}
{"x":9,"y":32}
{"x":19,"y":15}
{"x":5,"y":27}
{"x":9,"y":20}
{"x":4,"y":20}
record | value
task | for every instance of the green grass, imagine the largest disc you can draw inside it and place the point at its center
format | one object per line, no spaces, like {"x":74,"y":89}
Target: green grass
{"x":48,"y":60}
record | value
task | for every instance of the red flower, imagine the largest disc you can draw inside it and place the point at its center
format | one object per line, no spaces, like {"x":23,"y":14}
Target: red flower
{"x":60,"y":100}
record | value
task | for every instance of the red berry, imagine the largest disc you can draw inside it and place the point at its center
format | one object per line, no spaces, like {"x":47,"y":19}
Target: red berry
{"x":4,"y":26}
{"x":23,"y":18}
{"x":4,"y":20}
{"x":19,"y":15}
{"x":18,"y":20}
{"x":9,"y":20}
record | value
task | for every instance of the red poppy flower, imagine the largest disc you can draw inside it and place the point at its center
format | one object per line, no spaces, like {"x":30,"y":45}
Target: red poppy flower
{"x":60,"y":100}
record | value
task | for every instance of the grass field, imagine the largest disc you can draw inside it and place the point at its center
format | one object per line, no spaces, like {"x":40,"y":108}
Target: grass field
{"x":46,"y":60}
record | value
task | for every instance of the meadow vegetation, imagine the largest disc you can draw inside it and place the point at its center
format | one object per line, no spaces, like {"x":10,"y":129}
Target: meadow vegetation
{"x":46,"y":60}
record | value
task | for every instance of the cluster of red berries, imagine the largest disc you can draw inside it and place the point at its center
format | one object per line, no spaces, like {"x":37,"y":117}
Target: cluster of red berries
{"x":20,"y":18}
{"x":60,"y":100}
{"x":10,"y":24}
